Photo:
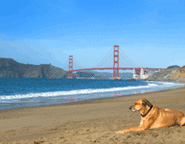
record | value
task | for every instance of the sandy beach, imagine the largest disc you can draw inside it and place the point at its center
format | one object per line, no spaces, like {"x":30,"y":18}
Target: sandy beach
{"x":90,"y":122}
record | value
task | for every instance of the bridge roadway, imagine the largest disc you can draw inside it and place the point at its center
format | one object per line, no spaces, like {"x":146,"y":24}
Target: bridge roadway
{"x":121,"y":68}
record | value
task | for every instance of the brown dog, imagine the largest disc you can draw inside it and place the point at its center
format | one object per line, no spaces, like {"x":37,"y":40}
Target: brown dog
{"x":154,"y":117}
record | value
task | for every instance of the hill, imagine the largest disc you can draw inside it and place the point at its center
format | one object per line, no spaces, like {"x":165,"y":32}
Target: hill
{"x":180,"y":76}
{"x":10,"y":68}
{"x":102,"y":75}
{"x":172,"y":73}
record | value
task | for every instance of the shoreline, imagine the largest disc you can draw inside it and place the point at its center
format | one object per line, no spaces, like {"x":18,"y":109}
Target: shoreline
{"x":89,"y":121}
{"x":95,"y":100}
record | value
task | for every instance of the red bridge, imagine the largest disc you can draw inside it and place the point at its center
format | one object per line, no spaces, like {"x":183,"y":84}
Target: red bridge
{"x":115,"y":67}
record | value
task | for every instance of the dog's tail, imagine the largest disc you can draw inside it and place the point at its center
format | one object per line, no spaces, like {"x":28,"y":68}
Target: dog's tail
{"x":183,"y":121}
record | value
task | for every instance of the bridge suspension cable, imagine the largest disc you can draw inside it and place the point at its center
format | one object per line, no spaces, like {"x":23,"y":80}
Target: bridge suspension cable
{"x":66,"y":65}
{"x":115,"y":67}
{"x":76,"y":64}
{"x":126,"y":59}
{"x":106,"y":57}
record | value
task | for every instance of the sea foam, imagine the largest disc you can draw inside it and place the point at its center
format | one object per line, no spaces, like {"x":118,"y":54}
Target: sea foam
{"x":88,"y":91}
{"x":74,"y":92}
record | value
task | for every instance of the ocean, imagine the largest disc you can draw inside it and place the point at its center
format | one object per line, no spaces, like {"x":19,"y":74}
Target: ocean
{"x":20,"y":93}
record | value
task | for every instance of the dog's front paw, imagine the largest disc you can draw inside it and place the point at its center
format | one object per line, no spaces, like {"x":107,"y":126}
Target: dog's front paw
{"x":122,"y":132}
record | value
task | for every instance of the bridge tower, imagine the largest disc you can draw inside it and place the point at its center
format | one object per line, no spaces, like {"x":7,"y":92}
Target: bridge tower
{"x":116,"y":62}
{"x":70,"y":71}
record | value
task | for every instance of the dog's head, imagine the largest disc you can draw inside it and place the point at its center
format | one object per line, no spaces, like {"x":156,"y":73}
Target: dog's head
{"x":141,"y":105}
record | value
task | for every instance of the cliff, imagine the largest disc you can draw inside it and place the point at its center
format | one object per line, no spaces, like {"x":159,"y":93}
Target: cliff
{"x":9,"y":68}
{"x":172,"y":73}
{"x":180,"y":76}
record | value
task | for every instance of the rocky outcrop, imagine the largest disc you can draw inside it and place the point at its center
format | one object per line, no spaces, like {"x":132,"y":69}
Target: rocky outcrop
{"x":168,"y":74}
{"x":9,"y":68}
{"x":180,"y":76}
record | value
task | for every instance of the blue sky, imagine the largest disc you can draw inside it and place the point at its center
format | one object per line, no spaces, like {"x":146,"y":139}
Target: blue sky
{"x":150,"y":32}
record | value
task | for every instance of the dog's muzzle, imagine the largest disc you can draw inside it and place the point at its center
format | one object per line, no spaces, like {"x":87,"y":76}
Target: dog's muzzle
{"x":130,"y":108}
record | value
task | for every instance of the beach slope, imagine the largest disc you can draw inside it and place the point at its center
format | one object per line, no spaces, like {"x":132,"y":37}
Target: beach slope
{"x":91,"y":122}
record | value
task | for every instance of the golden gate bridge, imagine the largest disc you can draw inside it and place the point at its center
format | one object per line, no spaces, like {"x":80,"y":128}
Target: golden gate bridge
{"x":138,"y":72}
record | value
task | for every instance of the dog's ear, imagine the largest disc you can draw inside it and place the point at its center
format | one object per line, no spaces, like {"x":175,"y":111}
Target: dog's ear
{"x":144,"y":103}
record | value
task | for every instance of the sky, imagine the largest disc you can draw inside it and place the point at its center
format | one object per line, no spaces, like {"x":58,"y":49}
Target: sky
{"x":150,"y":32}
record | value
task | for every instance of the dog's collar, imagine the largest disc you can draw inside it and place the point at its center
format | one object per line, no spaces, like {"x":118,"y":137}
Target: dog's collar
{"x":147,"y":111}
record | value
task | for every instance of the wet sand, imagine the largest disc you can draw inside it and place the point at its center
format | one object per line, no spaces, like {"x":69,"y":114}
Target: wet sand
{"x":91,"y":122}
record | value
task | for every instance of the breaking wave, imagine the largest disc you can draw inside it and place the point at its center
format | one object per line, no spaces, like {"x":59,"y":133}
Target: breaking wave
{"x":151,"y":85}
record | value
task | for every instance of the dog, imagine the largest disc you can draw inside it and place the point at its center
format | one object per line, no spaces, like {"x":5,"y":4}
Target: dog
{"x":154,"y":117}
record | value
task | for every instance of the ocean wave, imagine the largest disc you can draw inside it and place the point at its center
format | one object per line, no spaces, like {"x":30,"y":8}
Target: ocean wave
{"x":83,"y":91}
{"x":74,"y":92}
